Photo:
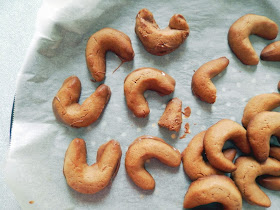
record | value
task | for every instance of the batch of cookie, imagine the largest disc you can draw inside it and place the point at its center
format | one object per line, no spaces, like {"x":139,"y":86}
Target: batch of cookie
{"x":210,"y":184}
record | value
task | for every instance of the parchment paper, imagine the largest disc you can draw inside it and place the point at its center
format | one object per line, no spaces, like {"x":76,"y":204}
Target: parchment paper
{"x":38,"y":144}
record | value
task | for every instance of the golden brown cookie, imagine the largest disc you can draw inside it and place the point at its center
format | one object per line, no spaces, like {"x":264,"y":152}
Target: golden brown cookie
{"x":172,"y":116}
{"x":271,"y":182}
{"x":67,"y":109}
{"x":215,"y":188}
{"x":260,"y":103}
{"x":240,"y":30}
{"x":107,"y":39}
{"x":193,"y":162}
{"x":202,"y":86}
{"x":144,"y":148}
{"x":245,"y":175}
{"x":259,"y":131}
{"x":160,"y":41}
{"x":142,"y":79}
{"x":91,"y":179}
{"x":215,"y":138}
{"x":271,"y":52}
{"x":275,"y":152}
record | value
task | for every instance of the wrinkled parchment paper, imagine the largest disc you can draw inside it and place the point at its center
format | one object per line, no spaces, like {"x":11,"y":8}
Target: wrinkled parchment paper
{"x":39,"y":141}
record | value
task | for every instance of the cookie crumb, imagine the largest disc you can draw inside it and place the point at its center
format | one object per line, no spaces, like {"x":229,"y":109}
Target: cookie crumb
{"x":187,"y":111}
{"x":31,"y":202}
{"x":187,"y":130}
{"x":173,"y":136}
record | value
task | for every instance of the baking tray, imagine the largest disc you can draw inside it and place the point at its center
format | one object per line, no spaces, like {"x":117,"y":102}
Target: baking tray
{"x":38,"y":141}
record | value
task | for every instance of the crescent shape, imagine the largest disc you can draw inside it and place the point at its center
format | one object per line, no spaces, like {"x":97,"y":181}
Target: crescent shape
{"x":259,"y":131}
{"x":66,"y":107}
{"x":240,"y":30}
{"x":144,"y":148}
{"x":260,"y":103}
{"x":194,"y":165}
{"x":142,"y":79}
{"x":202,"y":86}
{"x":215,"y":188}
{"x":91,"y":179}
{"x":107,"y":39}
{"x":160,"y":41}
{"x":215,"y":138}
{"x":248,"y":169}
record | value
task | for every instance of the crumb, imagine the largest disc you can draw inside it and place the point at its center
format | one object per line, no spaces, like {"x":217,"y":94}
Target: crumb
{"x":154,"y":125}
{"x":187,"y":111}
{"x":187,"y":130}
{"x":148,"y":161}
{"x":31,"y":202}
{"x":194,"y":123}
{"x":173,"y":136}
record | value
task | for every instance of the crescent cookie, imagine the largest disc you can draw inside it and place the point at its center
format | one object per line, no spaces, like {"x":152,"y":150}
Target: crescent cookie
{"x":259,"y":131}
{"x":144,"y":148}
{"x":248,"y":169}
{"x":215,"y":188}
{"x":215,"y":138}
{"x":192,"y":157}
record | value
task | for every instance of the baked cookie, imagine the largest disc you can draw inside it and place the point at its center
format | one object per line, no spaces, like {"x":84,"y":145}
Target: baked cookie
{"x":215,"y":188}
{"x":271,"y":52}
{"x":240,"y":30}
{"x":215,"y":138}
{"x":260,"y":103}
{"x":107,"y":39}
{"x":160,"y":41}
{"x":192,"y":157}
{"x":67,"y":109}
{"x":172,"y":116}
{"x":245,"y":175}
{"x":91,"y":179}
{"x":271,"y":182}
{"x":142,"y":79}
{"x":202,"y":86}
{"x":144,"y":148}
{"x":259,"y":131}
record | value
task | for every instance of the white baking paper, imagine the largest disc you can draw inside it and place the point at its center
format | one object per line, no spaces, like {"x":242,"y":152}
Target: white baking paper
{"x":38,"y":144}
